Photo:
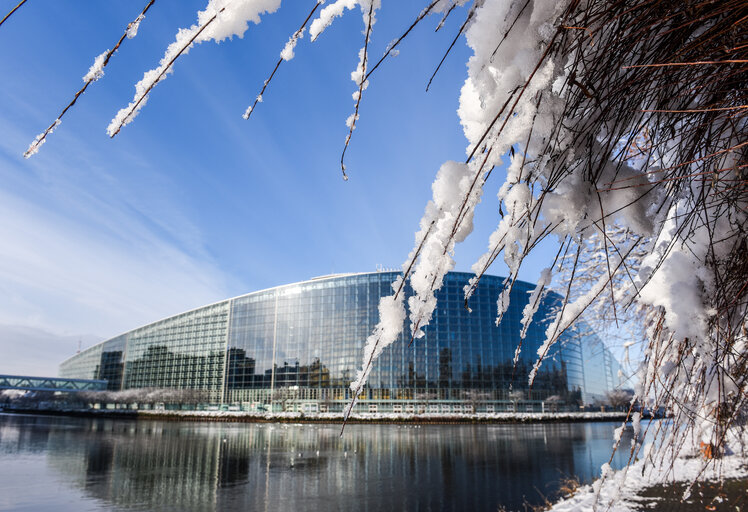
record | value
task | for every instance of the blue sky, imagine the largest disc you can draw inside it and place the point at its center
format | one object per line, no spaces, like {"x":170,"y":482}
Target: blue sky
{"x":190,"y":203}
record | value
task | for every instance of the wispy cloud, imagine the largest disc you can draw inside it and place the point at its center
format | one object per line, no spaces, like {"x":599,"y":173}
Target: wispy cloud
{"x":37,"y":352}
{"x":84,"y":252}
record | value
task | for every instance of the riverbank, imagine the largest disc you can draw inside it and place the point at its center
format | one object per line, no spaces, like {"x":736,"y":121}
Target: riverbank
{"x":297,"y":417}
{"x":668,"y":482}
{"x":730,"y":494}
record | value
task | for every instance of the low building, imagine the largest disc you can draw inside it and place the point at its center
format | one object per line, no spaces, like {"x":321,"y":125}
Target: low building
{"x":298,"y":346}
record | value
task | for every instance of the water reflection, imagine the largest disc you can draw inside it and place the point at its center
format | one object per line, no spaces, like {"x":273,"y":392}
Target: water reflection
{"x":150,"y":465}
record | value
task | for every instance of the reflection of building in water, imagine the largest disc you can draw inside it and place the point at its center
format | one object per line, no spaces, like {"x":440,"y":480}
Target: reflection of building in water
{"x":298,"y":347}
{"x":192,"y":466}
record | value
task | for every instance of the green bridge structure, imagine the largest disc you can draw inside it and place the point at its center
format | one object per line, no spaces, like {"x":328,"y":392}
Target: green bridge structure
{"x":24,"y":383}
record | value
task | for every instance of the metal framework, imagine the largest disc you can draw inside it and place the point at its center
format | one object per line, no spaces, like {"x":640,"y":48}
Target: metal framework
{"x":50,"y":383}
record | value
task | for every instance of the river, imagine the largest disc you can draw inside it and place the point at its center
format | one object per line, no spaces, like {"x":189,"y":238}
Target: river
{"x":79,"y":464}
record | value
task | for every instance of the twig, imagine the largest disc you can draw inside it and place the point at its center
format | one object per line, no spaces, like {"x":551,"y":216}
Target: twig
{"x":296,"y":34}
{"x":389,"y":51}
{"x":14,"y":9}
{"x":360,"y":91}
{"x":697,"y":63}
{"x":459,"y":33}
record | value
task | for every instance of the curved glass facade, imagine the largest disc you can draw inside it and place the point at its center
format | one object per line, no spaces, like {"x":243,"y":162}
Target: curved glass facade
{"x":298,"y":347}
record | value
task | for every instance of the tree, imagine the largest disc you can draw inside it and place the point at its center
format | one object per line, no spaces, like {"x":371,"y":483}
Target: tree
{"x":619,"y":398}
{"x":625,"y":127}
{"x":551,"y":403}
{"x":516,"y":396}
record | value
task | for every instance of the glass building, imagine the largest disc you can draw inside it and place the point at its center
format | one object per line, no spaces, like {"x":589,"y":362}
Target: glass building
{"x":298,"y":346}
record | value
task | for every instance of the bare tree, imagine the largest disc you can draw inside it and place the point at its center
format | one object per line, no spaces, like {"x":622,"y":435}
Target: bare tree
{"x":620,"y":399}
{"x":516,"y":396}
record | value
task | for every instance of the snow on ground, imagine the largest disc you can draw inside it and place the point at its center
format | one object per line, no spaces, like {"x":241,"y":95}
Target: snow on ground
{"x":621,"y":490}
{"x":499,"y":417}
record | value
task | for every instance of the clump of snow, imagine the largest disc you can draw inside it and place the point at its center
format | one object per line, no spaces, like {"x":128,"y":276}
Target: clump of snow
{"x":328,"y":14}
{"x":287,"y":52}
{"x":636,"y":423}
{"x":617,"y":434}
{"x":676,"y":285}
{"x":96,"y":70}
{"x":536,"y":296}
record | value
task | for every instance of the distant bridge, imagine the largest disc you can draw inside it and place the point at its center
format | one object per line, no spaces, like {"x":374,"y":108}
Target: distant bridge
{"x":50,"y":384}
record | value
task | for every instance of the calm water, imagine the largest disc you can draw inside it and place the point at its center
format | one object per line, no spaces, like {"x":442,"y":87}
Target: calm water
{"x":74,"y":464}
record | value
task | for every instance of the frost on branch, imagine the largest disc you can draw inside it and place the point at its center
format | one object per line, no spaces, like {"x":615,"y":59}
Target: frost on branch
{"x":387,"y":330}
{"x":40,"y":139}
{"x":369,"y":8}
{"x":97,"y":68}
{"x":287,"y":52}
{"x":536,"y":297}
{"x":456,"y":192}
